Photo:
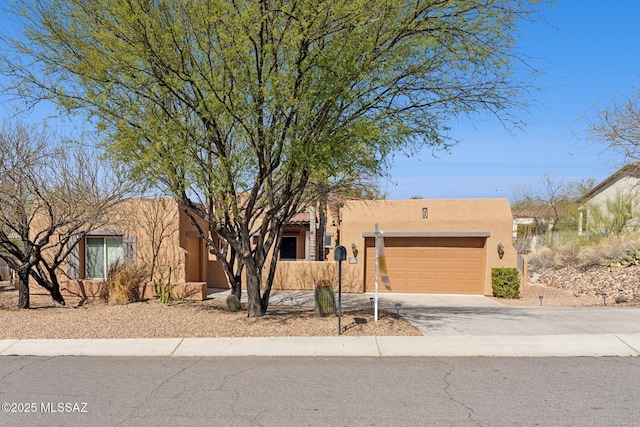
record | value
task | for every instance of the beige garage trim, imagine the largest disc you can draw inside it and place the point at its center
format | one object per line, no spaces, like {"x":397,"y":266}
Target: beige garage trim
{"x":445,"y":265}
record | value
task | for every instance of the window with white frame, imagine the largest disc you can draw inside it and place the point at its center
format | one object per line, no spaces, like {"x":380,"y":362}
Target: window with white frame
{"x":100,"y":254}
{"x":328,"y":240}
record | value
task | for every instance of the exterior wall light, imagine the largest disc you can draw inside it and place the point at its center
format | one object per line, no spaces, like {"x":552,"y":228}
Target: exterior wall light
{"x":500,"y":250}
{"x":354,"y":250}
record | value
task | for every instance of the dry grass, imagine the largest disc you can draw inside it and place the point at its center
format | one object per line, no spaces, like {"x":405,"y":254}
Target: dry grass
{"x":584,"y":253}
{"x":183,"y":319}
{"x":123,"y":282}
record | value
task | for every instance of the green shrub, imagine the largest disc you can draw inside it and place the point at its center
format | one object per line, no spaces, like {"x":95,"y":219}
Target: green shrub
{"x":505,"y":282}
{"x":325,"y":299}
{"x":621,"y":299}
{"x":233,"y":303}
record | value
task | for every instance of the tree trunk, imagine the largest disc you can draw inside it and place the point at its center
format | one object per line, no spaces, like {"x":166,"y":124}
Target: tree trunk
{"x":23,"y":288}
{"x":46,"y":278}
{"x":55,"y":291}
{"x":236,"y":286}
{"x":253,"y":292}
{"x":55,"y":287}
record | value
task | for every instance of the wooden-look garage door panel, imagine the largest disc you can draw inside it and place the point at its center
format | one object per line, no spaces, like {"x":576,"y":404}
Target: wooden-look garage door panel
{"x":430,"y":265}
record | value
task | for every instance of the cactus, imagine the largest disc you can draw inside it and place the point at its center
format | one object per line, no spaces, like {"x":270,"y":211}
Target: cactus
{"x":325,"y":299}
{"x":163,"y":291}
{"x":233,"y":304}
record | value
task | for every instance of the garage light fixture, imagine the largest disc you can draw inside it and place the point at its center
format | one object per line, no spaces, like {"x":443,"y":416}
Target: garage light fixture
{"x":500,"y":250}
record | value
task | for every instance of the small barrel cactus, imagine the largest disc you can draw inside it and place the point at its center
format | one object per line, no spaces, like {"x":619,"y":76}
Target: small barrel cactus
{"x":233,"y":304}
{"x":325,"y":299}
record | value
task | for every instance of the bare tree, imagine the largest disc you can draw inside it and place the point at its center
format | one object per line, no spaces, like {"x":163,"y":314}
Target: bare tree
{"x":50,"y":198}
{"x":618,"y":126}
{"x":552,"y":202}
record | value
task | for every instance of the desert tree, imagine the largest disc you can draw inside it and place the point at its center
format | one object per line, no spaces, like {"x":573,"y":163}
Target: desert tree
{"x":552,"y":201}
{"x":50,"y":197}
{"x":236,"y":107}
{"x":617,"y":215}
{"x":617,"y":126}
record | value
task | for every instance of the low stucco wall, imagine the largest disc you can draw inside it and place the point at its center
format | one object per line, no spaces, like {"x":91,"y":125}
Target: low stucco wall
{"x":304,"y":275}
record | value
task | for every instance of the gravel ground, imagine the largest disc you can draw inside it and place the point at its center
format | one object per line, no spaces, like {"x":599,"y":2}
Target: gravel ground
{"x":551,"y":296}
{"x":581,"y":285}
{"x":569,"y":286}
{"x":185,"y":319}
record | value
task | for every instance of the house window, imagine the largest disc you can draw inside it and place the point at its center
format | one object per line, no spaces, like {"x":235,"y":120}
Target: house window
{"x":289,"y":248}
{"x":100,"y":254}
{"x":328,"y":240}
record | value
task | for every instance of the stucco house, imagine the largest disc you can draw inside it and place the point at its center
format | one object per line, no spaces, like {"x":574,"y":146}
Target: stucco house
{"x":624,"y":183}
{"x":152,"y":233}
{"x":444,"y":246}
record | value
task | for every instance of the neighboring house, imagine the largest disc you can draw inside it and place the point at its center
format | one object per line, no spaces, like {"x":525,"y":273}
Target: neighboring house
{"x":444,"y":246}
{"x":528,"y":227}
{"x":623,"y":183}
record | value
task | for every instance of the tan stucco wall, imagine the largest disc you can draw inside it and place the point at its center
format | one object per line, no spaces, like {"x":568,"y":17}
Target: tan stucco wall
{"x":154,"y":224}
{"x":190,"y":260}
{"x":444,"y":215}
{"x":304,"y":275}
{"x":160,"y":246}
{"x":200,"y":264}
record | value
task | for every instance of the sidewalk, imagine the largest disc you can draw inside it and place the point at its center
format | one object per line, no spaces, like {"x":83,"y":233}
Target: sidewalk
{"x":437,"y":346}
{"x":452,"y":325}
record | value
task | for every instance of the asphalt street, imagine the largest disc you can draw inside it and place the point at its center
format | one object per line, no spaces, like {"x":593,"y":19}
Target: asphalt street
{"x":319,"y":391}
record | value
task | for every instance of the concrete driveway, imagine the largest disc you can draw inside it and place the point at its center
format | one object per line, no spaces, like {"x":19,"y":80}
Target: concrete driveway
{"x":476,"y":315}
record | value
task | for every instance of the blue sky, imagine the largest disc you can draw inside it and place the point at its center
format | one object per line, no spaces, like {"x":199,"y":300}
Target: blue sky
{"x":587,"y":54}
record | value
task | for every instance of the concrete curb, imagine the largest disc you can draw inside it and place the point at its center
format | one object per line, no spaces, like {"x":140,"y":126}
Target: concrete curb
{"x":279,"y":346}
{"x":93,"y":347}
{"x":595,"y":345}
{"x":510,"y":346}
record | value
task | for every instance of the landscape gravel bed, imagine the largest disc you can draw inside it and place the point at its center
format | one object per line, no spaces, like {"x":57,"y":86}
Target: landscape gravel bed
{"x":568,"y":286}
{"x":182,"y":319}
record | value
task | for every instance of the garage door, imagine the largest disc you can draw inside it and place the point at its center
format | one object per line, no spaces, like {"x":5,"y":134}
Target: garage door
{"x":445,"y":265}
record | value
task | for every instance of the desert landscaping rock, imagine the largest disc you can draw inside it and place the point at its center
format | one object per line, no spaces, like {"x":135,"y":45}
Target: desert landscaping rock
{"x":181,"y":319}
{"x":576,"y":286}
{"x":568,"y":286}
